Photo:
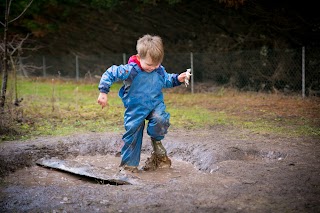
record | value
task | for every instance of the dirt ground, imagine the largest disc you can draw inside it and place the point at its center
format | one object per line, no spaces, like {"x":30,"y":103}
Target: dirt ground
{"x":216,"y":170}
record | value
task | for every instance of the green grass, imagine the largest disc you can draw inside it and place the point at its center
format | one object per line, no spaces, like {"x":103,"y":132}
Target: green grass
{"x":52,"y":107}
{"x":195,"y":118}
{"x":207,"y":110}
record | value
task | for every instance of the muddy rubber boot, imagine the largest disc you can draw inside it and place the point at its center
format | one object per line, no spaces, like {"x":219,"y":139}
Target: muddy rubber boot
{"x":162,"y":160}
{"x":158,"y":159}
{"x":158,"y":148}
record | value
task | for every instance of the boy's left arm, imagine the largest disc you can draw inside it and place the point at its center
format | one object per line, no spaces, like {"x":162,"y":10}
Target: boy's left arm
{"x":172,"y":80}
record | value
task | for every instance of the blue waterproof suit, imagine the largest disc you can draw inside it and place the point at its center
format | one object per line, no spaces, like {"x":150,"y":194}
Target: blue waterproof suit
{"x":143,"y":100}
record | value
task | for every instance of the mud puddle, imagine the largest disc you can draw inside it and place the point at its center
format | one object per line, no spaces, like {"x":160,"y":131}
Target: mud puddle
{"x":44,"y":176}
{"x":211,"y":172}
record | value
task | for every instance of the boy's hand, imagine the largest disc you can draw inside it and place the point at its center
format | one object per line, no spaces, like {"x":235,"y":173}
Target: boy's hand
{"x":103,"y":99}
{"x":182,"y":76}
{"x":185,"y":76}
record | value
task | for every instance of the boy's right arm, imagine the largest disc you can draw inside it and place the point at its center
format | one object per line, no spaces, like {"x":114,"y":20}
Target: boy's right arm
{"x":103,"y":99}
{"x":111,"y":75}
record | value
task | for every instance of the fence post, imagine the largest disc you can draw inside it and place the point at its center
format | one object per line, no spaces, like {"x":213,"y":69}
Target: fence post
{"x":303,"y":73}
{"x":44,"y":66}
{"x":77,"y":68}
{"x":192,"y":71}
{"x":124,"y":58}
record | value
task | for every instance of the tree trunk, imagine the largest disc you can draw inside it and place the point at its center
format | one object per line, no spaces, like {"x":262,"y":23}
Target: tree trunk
{"x":5,"y":61}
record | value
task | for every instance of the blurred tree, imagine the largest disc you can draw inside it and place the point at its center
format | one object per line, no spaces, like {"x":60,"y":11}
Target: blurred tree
{"x":4,"y":47}
{"x":45,"y":16}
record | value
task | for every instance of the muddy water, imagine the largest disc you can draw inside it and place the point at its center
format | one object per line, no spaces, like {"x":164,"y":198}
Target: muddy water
{"x":41,"y":176}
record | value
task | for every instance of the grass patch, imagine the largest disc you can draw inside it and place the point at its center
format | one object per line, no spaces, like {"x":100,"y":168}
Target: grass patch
{"x":196,"y":118}
{"x":62,"y":107}
{"x":260,"y":113}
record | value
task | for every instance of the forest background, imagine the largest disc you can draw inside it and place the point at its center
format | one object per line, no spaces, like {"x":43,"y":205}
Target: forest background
{"x":247,"y":44}
{"x":227,"y":39}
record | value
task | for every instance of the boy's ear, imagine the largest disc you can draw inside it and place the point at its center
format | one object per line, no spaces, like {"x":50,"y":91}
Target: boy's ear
{"x":138,"y":57}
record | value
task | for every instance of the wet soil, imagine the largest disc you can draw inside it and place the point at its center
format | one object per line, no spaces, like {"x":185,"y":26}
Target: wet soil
{"x":216,"y":170}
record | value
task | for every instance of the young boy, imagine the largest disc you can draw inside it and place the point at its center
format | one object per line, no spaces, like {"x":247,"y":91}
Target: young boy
{"x":143,"y":79}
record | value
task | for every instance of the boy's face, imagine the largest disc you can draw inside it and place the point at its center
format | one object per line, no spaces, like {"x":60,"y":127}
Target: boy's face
{"x":147,"y":64}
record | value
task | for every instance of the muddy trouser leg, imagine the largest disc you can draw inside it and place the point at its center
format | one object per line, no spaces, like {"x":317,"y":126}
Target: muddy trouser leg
{"x":131,"y":150}
{"x":158,"y":122}
{"x":157,"y":128}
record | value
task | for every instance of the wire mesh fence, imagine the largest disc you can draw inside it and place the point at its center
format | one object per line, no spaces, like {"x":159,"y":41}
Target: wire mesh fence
{"x":289,"y":70}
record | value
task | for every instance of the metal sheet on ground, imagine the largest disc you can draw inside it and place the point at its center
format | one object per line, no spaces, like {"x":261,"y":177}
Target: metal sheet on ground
{"x":89,"y":171}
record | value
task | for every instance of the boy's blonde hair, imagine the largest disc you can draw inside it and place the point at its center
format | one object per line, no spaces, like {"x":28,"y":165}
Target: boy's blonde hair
{"x":152,"y":46}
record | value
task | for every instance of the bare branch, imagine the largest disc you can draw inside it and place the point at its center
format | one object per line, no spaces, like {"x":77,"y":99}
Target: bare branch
{"x":8,"y":9}
{"x":2,"y":47}
{"x":15,"y":45}
{"x":33,"y":48}
{"x":19,"y":44}
{"x":25,"y":9}
{"x":32,"y":67}
{"x":26,"y":68}
{"x":2,"y":23}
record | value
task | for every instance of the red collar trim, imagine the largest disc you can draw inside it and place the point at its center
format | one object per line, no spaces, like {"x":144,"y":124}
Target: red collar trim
{"x":134,"y":59}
